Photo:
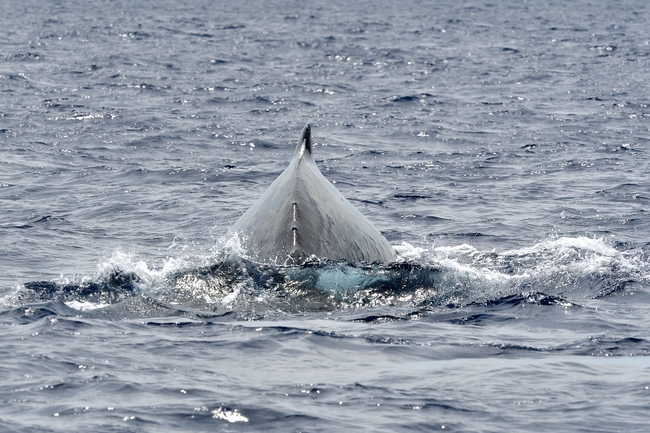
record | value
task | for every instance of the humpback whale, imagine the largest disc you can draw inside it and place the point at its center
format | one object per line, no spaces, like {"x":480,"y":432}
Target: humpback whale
{"x":302,"y":215}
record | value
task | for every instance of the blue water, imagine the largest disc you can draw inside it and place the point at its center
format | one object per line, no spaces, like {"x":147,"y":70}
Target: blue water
{"x":501,"y":147}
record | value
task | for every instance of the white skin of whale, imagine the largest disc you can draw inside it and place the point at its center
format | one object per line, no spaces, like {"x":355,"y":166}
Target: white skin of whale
{"x":302,"y":215}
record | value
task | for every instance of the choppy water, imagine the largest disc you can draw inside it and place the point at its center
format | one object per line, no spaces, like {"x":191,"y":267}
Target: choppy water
{"x":501,"y":147}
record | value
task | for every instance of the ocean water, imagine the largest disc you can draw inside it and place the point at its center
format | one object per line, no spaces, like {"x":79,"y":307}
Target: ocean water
{"x":502,"y":147}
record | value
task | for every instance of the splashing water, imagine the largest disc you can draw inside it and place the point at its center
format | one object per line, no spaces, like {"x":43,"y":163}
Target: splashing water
{"x":579,"y":268}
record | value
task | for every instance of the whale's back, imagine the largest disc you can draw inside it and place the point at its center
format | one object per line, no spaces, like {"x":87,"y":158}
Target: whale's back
{"x":302,"y":215}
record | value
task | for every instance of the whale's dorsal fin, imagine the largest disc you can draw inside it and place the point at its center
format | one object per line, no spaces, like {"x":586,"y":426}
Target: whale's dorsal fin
{"x":304,"y":144}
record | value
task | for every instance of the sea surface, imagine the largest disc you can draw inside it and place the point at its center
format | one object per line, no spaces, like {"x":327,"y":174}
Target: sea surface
{"x":502,"y":148}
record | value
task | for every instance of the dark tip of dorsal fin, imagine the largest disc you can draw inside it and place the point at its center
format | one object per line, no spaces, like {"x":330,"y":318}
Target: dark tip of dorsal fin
{"x":305,"y":144}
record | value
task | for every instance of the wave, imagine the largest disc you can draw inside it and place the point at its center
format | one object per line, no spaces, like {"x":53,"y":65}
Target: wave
{"x":562,"y":272}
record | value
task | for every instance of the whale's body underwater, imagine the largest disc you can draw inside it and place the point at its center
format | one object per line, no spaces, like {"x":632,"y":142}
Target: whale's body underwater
{"x":302,"y":215}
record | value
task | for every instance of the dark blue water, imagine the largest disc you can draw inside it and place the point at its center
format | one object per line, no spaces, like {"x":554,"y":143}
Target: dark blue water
{"x":501,"y":147}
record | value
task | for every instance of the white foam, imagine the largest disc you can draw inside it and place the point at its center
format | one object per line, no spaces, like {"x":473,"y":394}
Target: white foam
{"x":408,"y":252}
{"x":231,"y":297}
{"x":560,"y":264}
{"x":558,"y":245}
{"x":149,"y":276}
{"x":229,"y":415}
{"x":85,"y":306}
